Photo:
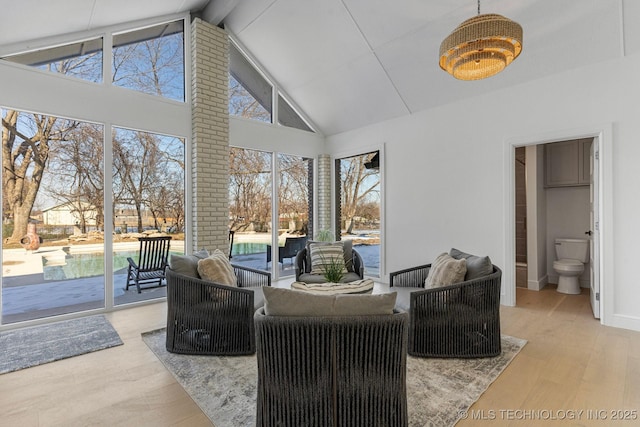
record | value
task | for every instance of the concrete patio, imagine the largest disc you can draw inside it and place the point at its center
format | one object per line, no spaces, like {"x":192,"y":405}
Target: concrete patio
{"x":30,"y":291}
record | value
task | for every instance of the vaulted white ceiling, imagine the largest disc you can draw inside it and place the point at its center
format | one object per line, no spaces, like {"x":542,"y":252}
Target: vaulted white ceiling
{"x":351,"y":63}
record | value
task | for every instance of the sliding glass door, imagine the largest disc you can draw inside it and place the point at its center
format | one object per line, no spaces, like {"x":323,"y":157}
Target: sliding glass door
{"x":53,"y":216}
{"x":358,"y":202}
{"x":251,"y":212}
{"x":147,"y":201}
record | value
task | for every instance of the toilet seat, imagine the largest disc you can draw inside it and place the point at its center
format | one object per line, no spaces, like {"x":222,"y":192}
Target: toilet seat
{"x":568,"y":265}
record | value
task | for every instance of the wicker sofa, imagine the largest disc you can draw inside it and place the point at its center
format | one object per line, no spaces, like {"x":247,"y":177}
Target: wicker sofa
{"x":459,"y":320}
{"x":213,"y":319}
{"x":324,"y":370}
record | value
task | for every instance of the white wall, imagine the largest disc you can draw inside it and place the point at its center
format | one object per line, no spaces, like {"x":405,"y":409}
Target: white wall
{"x":446,"y":183}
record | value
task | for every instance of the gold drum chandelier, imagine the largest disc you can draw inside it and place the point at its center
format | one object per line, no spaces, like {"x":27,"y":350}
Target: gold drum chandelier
{"x":481,"y":47}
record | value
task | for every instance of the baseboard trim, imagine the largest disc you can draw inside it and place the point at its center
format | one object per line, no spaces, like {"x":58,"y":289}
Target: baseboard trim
{"x":537,"y":285}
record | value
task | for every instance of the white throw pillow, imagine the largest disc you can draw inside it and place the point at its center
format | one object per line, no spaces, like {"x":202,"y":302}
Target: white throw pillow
{"x":217,"y":268}
{"x":445,"y":270}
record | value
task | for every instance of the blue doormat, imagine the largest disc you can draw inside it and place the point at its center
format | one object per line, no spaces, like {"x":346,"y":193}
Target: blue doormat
{"x":27,"y":347}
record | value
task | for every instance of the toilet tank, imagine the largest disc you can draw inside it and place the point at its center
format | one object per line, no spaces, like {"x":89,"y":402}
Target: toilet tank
{"x":577,"y":249}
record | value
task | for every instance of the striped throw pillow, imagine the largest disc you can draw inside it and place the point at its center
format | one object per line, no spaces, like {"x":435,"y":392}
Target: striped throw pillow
{"x":323,"y":255}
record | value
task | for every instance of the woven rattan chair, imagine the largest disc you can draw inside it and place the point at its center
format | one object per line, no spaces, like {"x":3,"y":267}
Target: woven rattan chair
{"x":212,"y":319}
{"x":303,"y":269}
{"x":331,"y":371}
{"x":291,"y":247}
{"x":460,"y":320}
{"x":152,"y":261}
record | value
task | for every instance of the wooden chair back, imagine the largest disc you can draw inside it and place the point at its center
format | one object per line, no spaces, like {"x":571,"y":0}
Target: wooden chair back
{"x":154,"y":253}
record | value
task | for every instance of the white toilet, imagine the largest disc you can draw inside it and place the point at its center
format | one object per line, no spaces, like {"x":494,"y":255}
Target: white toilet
{"x":571,"y":254}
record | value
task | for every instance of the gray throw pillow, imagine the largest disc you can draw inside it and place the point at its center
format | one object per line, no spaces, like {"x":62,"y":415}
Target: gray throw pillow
{"x":287,"y":302}
{"x":476,"y":266}
{"x":187,"y":264}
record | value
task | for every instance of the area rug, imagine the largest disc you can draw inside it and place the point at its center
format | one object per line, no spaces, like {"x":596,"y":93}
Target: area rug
{"x":23,"y":348}
{"x":438,"y":390}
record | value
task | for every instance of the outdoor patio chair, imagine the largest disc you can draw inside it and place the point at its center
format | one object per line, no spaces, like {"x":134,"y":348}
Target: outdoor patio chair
{"x":152,"y":261}
{"x":331,"y":370}
{"x":291,"y":247}
{"x":355,"y":268}
{"x":459,"y":320}
{"x":207,"y":318}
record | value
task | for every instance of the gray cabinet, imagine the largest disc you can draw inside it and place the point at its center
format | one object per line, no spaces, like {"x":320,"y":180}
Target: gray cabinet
{"x":567,"y":163}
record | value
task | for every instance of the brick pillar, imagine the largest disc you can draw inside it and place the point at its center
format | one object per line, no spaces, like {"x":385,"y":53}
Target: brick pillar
{"x":210,"y":138}
{"x":324,"y":192}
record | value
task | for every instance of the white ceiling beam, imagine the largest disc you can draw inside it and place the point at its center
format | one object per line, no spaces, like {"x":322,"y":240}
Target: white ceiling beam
{"x":216,"y":10}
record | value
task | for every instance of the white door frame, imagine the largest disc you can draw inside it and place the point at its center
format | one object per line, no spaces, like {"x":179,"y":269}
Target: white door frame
{"x":604,"y":133}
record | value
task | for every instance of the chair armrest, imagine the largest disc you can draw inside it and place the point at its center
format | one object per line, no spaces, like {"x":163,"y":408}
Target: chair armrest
{"x":251,"y":277}
{"x":413,"y":277}
{"x":299,"y":262}
{"x":132,"y":263}
{"x":358,"y":264}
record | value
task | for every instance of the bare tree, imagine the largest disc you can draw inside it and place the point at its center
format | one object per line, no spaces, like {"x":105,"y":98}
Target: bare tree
{"x":243,"y":104}
{"x":293,"y":188}
{"x":136,"y":156}
{"x":26,"y":144}
{"x":76,"y":174}
{"x":249,"y":188}
{"x":154,"y":66}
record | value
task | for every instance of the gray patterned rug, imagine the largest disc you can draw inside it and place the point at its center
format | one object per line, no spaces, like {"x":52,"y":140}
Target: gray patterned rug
{"x":438,"y":390}
{"x":23,"y":348}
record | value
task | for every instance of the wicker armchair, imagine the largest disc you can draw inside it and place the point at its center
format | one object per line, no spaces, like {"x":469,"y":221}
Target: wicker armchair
{"x":460,"y":320}
{"x":331,"y":371}
{"x":303,"y":269}
{"x":212,"y":319}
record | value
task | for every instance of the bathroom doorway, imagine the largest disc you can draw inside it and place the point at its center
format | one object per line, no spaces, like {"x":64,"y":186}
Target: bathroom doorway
{"x":556,"y":203}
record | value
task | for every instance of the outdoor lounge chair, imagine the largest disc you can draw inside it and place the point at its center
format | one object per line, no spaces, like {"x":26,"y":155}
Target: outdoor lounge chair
{"x":152,"y":261}
{"x":459,"y":320}
{"x":291,"y":247}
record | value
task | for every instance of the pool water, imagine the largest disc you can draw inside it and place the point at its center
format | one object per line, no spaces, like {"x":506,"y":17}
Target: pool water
{"x":90,"y":264}
{"x":245,"y":248}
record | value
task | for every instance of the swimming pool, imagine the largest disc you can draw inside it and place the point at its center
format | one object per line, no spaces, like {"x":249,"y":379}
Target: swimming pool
{"x":87,"y":264}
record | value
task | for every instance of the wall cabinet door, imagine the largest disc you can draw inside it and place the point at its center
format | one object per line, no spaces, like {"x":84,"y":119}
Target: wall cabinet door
{"x":567,"y":163}
{"x":585,"y":154}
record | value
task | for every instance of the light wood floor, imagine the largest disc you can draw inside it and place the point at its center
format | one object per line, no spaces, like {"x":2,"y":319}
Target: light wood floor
{"x":570,"y":363}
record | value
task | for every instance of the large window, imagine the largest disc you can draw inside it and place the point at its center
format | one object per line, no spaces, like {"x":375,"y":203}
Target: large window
{"x":151,"y":60}
{"x":148,"y":60}
{"x":250,"y":206}
{"x":54,"y":211}
{"x":358,"y":199}
{"x":53,"y":216}
{"x":251,"y":209}
{"x":81,"y":59}
{"x":251,"y":95}
{"x":148,"y":200}
{"x":73,"y":191}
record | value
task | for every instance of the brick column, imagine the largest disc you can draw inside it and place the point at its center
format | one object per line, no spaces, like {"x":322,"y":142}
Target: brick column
{"x":324,"y":193}
{"x":210,"y":138}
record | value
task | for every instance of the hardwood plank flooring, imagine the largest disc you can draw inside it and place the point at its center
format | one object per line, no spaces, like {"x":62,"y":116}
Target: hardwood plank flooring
{"x":570,"y":364}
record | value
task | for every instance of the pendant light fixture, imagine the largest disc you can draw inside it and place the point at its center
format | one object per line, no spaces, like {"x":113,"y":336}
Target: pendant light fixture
{"x":481,"y":47}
